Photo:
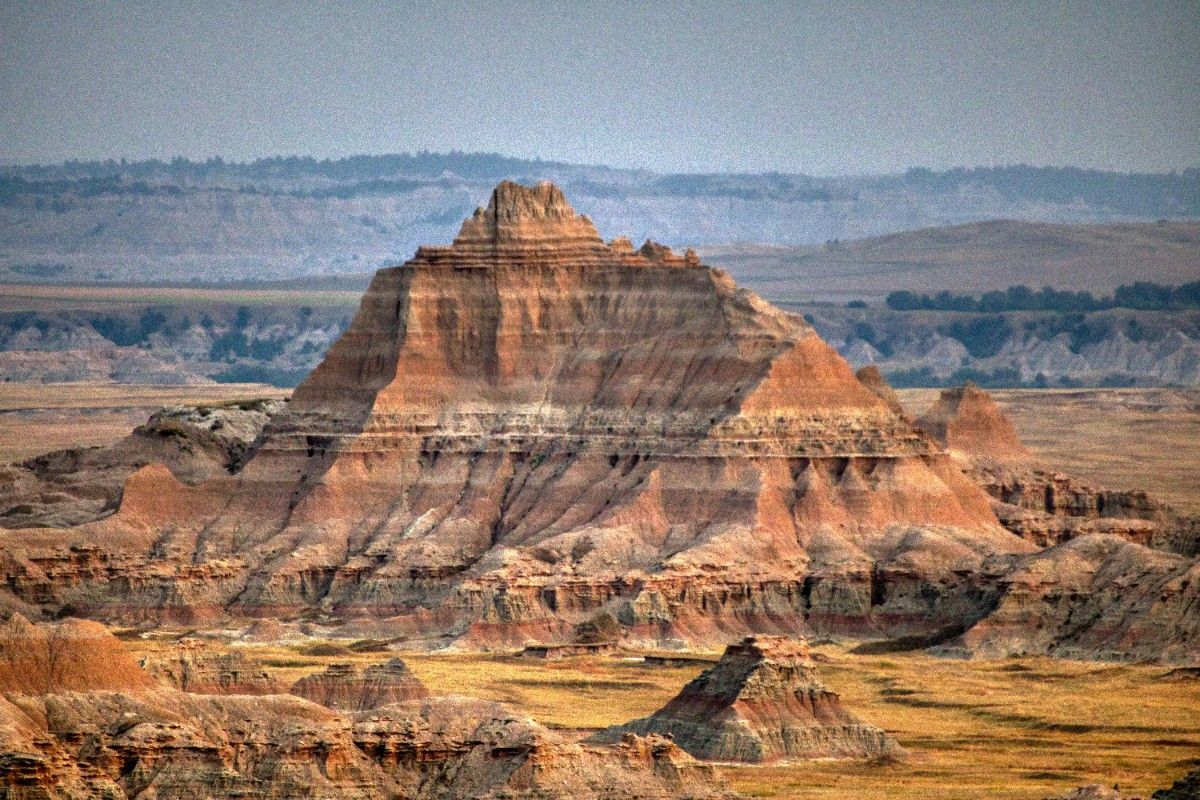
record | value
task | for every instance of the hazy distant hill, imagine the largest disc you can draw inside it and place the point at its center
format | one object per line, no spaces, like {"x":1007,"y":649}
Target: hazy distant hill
{"x":974,"y":258}
{"x":290,"y":217}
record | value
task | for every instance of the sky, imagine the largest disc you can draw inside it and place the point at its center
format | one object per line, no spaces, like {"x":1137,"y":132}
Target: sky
{"x":819,"y":88}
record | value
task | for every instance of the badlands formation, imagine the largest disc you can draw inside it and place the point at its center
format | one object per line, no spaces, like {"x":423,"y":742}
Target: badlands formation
{"x":80,"y":719}
{"x":531,"y":435}
{"x":763,"y":702}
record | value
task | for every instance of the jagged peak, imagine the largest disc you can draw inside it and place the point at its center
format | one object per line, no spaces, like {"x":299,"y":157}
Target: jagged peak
{"x":518,"y":214}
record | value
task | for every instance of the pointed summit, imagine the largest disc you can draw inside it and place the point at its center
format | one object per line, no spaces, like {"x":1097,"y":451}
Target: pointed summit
{"x":763,"y":702}
{"x":966,"y":419}
{"x":527,"y":215}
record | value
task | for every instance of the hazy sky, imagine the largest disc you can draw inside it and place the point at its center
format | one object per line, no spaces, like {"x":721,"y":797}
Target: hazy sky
{"x":821,"y":88}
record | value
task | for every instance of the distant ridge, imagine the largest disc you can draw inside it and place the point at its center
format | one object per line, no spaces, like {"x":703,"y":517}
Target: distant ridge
{"x":976,"y":257}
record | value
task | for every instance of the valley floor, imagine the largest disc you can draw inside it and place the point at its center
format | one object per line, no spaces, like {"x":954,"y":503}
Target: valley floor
{"x":1020,"y":728}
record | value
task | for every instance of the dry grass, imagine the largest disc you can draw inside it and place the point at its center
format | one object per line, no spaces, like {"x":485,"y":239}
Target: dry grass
{"x":1117,"y":438}
{"x":1026,"y":728}
{"x":36,"y":418}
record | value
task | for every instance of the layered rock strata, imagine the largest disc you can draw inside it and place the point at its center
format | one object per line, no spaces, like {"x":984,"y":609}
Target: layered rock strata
{"x":530,"y":428}
{"x":78,"y":485}
{"x":101,"y":728}
{"x":1094,"y":596}
{"x":192,"y":669}
{"x":346,"y":688}
{"x":532,"y":435}
{"x":1035,"y":501}
{"x":762,"y":702}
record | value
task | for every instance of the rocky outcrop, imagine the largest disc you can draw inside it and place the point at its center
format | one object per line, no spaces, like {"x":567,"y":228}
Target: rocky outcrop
{"x":1186,"y":788}
{"x":1035,"y":501}
{"x":873,"y":379}
{"x":531,"y":428}
{"x":346,"y":688}
{"x":762,"y":702}
{"x":192,"y":669}
{"x":70,"y":487}
{"x":101,"y":728}
{"x":1093,"y":596}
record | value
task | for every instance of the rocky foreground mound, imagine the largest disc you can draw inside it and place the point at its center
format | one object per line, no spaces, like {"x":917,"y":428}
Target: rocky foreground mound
{"x":533,"y":435}
{"x":763,"y":702}
{"x":99,"y":727}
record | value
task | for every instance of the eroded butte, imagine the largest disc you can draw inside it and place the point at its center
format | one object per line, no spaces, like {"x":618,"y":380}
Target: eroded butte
{"x":533,"y":433}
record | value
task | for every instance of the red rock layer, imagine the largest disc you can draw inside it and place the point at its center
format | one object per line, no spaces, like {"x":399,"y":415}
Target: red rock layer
{"x":531,"y":427}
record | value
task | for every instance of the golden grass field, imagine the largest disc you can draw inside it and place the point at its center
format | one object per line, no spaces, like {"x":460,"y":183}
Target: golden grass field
{"x":1020,"y":728}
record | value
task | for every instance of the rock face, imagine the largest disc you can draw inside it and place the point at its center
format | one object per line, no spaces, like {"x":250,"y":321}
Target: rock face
{"x":346,"y":688}
{"x":530,"y":428}
{"x":763,"y":702}
{"x":1095,"y":596}
{"x":101,"y":728}
{"x":199,"y":672}
{"x":70,"y":487}
{"x":1036,"y":502}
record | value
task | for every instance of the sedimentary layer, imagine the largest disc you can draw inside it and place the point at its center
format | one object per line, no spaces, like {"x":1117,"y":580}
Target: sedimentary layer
{"x":530,"y":434}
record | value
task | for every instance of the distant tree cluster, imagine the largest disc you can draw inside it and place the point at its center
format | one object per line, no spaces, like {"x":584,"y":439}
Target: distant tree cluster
{"x":1143,"y":295}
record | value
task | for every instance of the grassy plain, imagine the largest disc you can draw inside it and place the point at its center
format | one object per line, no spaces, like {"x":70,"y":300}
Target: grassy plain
{"x":1020,"y":728}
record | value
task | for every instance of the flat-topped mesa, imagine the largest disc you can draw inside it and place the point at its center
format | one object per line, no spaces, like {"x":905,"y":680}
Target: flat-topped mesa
{"x":763,"y":702}
{"x":344,"y":687}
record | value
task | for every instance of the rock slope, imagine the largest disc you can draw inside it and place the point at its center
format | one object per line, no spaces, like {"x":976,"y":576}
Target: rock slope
{"x":101,"y":728}
{"x":77,"y":485}
{"x":762,"y":702}
{"x":532,"y":427}
{"x":1035,"y":501}
{"x":346,"y":688}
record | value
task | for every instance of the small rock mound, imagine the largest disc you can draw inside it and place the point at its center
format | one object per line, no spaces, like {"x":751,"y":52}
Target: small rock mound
{"x":343,"y":687}
{"x":870,"y":377}
{"x":193,"y":670}
{"x":1186,"y":788}
{"x":967,"y":420}
{"x":69,"y":656}
{"x":763,"y":702}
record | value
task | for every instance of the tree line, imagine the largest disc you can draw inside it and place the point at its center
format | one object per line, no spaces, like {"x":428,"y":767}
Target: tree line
{"x":1141,"y":295}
